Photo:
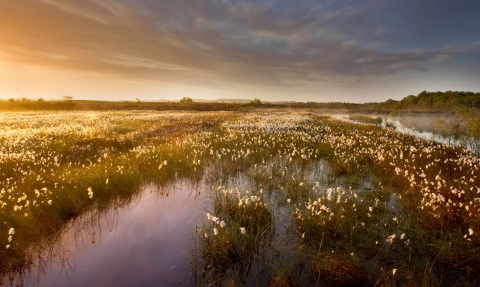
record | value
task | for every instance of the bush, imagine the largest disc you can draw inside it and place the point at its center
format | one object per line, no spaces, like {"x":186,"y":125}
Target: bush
{"x":186,"y":100}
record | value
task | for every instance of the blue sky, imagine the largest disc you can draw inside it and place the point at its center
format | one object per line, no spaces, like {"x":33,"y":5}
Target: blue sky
{"x":323,"y":51}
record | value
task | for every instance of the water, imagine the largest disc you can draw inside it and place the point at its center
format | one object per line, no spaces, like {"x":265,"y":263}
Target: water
{"x":416,"y":129}
{"x":436,"y":128}
{"x":145,"y":243}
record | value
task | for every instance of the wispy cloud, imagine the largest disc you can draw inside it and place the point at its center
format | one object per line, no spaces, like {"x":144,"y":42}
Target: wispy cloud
{"x":250,"y":43}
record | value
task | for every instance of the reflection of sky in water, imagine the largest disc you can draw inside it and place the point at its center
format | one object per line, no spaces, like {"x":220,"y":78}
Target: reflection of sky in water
{"x":148,"y":245}
{"x":425,"y":127}
{"x":430,"y":136}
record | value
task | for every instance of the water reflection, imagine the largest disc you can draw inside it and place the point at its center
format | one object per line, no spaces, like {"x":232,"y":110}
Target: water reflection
{"x":144,"y":243}
{"x":436,"y":128}
{"x":420,"y":131}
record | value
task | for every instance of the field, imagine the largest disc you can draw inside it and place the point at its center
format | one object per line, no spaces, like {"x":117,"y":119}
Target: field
{"x":293,"y":198}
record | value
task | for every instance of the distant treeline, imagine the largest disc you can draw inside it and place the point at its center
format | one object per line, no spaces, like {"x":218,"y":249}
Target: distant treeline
{"x":81,"y":105}
{"x":430,"y":102}
{"x":427,"y":102}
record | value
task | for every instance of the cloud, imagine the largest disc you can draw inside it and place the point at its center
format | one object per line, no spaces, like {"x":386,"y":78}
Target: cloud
{"x":379,"y":31}
{"x":217,"y":43}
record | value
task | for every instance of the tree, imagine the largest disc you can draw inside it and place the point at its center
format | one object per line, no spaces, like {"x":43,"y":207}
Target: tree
{"x":186,"y":100}
{"x":256,"y":102}
{"x":68,"y":98}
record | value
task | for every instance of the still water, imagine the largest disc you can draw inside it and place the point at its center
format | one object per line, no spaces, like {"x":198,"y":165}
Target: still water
{"x":431,"y":127}
{"x":145,"y":243}
{"x":424,"y":127}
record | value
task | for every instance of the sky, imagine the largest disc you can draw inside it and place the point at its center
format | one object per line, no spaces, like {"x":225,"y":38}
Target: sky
{"x":274,"y":50}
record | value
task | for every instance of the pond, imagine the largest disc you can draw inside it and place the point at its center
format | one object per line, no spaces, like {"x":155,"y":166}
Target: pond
{"x":144,"y":243}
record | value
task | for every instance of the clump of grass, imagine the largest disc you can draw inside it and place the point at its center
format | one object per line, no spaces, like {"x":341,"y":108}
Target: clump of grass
{"x":336,"y":215}
{"x":248,"y":211}
{"x":339,"y":270}
{"x":230,"y":242}
{"x":366,"y":119}
{"x":224,"y":248}
{"x":284,"y":278}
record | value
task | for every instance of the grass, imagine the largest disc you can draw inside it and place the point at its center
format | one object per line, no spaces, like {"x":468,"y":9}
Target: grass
{"x":284,"y":278}
{"x":296,"y":199}
{"x":339,"y":270}
{"x":384,"y":231}
{"x":366,"y":119}
{"x":232,"y":238}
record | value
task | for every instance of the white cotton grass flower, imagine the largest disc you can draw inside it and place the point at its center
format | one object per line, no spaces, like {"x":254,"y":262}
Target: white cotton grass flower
{"x":215,"y":231}
{"x":206,"y":235}
{"x":243,"y":230}
{"x":394,"y":271}
{"x":11,"y":231}
{"x":470,"y":232}
{"x":10,"y":238}
{"x":222,"y":223}
{"x":8,"y":246}
{"x":391,"y":238}
{"x":106,"y":181}
{"x":90,"y":193}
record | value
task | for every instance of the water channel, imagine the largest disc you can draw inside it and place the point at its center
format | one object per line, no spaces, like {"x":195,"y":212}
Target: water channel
{"x":144,"y":243}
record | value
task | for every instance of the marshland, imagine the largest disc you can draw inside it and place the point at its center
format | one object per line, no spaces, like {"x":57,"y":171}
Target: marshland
{"x":239,"y":143}
{"x":277,"y":197}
